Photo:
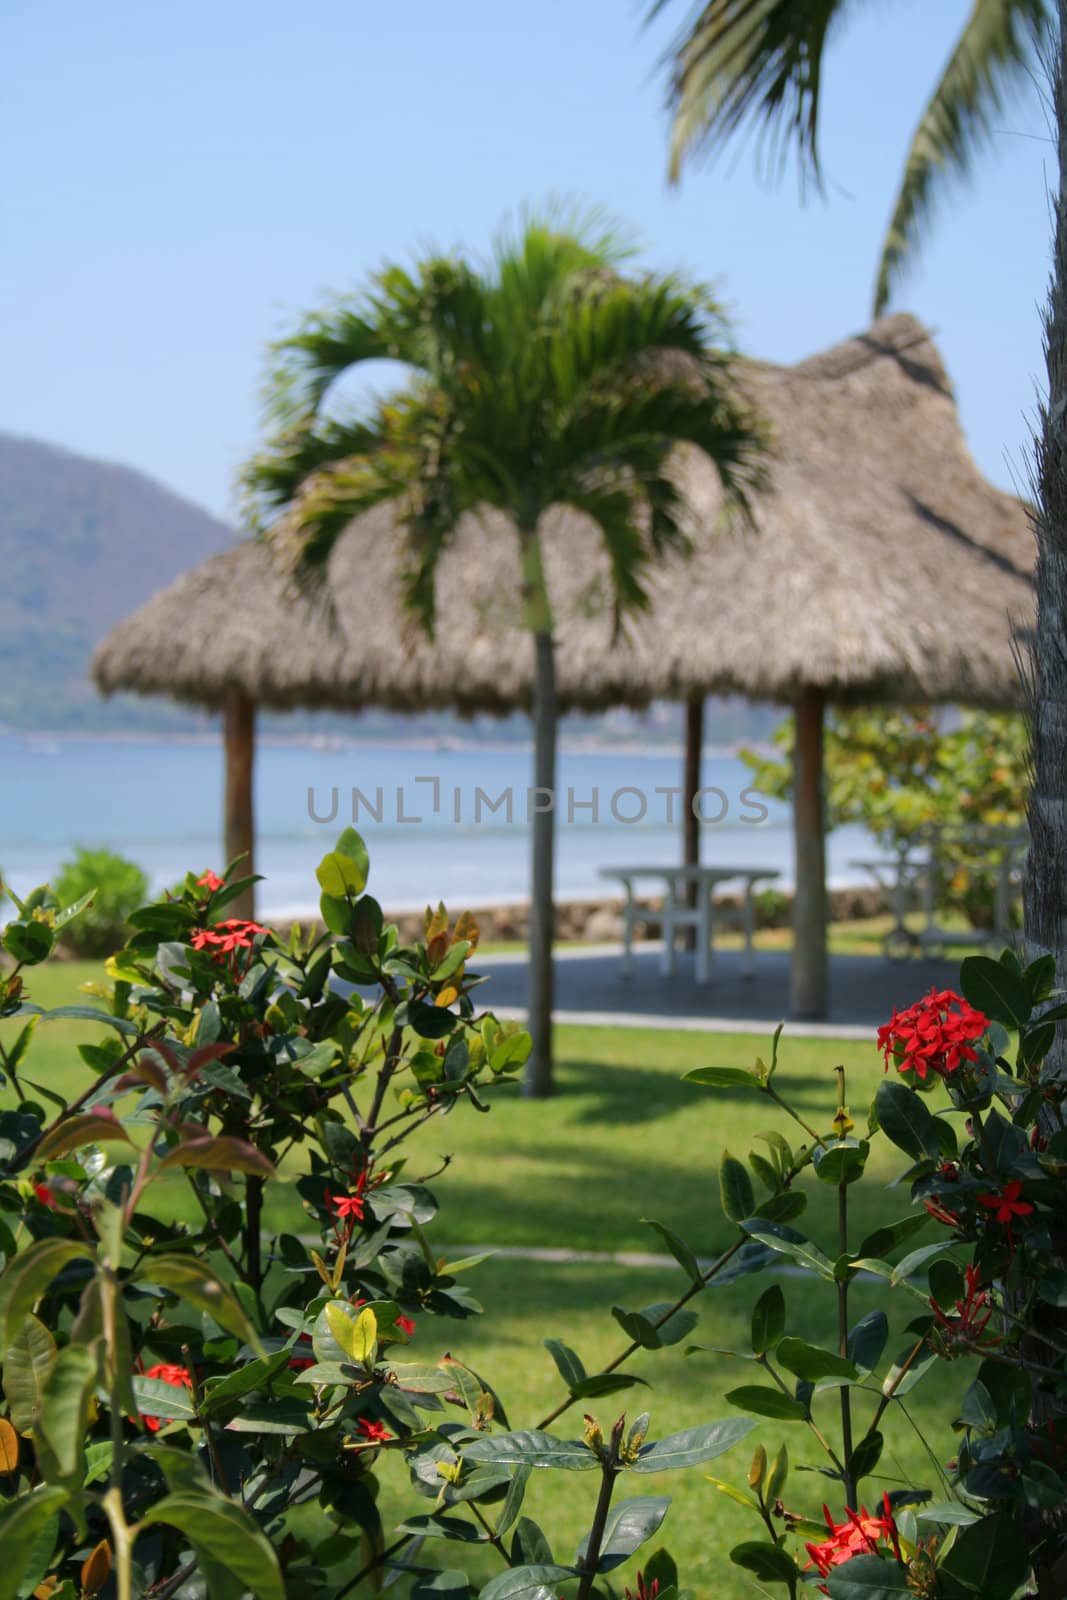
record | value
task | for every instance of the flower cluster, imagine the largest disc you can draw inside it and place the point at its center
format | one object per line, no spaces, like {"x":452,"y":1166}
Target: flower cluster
{"x":936,"y":1035}
{"x":227,"y":939}
{"x":972,"y":1314}
{"x":859,"y":1535}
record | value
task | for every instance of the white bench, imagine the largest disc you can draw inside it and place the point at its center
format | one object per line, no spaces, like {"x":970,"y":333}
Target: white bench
{"x":677,"y":915}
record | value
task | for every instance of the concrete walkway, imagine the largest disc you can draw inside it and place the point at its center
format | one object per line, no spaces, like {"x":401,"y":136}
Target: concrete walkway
{"x":591,"y":990}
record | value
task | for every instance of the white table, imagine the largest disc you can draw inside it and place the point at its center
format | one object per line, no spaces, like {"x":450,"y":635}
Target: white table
{"x":677,"y":913}
{"x":913,"y":874}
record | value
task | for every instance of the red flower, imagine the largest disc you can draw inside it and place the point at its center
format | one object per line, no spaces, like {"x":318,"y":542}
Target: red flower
{"x":644,"y":1591}
{"x":178,"y":1378}
{"x":972,"y":1312}
{"x":373,"y":1432}
{"x":45,"y":1195}
{"x":858,"y":1535}
{"x":226,"y":937}
{"x":406,"y":1325}
{"x":936,"y":1034}
{"x":1007,"y":1204}
{"x":210,"y":881}
{"x":348,"y":1205}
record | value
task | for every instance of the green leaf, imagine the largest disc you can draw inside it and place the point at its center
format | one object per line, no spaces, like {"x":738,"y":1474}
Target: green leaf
{"x":354,"y":1332}
{"x":223,"y":1535}
{"x":776,"y":1478}
{"x":678,"y":1248}
{"x":169,"y":1401}
{"x":782,"y":1207}
{"x":568,"y":1363}
{"x":222,"y":1154}
{"x":722,"y":1078}
{"x":28,"y":1363}
{"x":769,"y":1562}
{"x":534,"y":1449}
{"x":637,"y":1327}
{"x":73,"y":1133}
{"x":28,"y":942}
{"x":868,"y":1578}
{"x":429,"y":1022}
{"x":90,"y":1014}
{"x":789,"y":1244}
{"x":809,"y":1363}
{"x":867,"y":1340}
{"x":59,"y":1433}
{"x":629,"y":1524}
{"x":905,"y":1120}
{"x":991,"y":1557}
{"x":29,"y":1275}
{"x":513,"y":1499}
{"x":883,"y":1240}
{"x":736,"y":1194}
{"x":918,"y":1258}
{"x":602,"y":1383}
{"x":339,"y":876}
{"x":220,"y":1392}
{"x":842,"y":1162}
{"x":526,"y":1583}
{"x":350,"y":844}
{"x":22,"y":1521}
{"x":197,"y":1284}
{"x":768,"y":1320}
{"x":449,"y":1584}
{"x":1002,"y":995}
{"x":763,"y":1401}
{"x":17,"y":1051}
{"x":692,"y":1445}
{"x":866,"y":1455}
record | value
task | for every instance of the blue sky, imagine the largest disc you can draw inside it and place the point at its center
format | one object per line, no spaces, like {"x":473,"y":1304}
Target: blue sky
{"x":183,"y":181}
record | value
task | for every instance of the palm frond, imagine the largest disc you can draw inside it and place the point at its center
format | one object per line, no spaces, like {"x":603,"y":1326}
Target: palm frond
{"x":757,"y":61}
{"x":998,"y":46}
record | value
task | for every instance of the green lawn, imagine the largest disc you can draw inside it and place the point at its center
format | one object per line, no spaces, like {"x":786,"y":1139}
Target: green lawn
{"x":624,"y":1139}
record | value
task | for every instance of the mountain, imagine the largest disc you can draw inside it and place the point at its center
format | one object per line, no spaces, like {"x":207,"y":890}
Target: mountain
{"x":82,"y":542}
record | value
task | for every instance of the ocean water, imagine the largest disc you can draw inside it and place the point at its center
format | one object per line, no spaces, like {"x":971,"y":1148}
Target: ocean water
{"x":436,"y":819}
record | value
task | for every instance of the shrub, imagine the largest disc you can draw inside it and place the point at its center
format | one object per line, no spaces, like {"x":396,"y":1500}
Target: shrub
{"x":902,"y":773}
{"x":115,"y":886}
{"x":194,"y":1405}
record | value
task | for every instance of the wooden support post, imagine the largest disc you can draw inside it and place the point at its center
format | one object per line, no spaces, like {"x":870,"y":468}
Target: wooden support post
{"x":239,"y":742}
{"x":808,"y":975}
{"x":694,"y":746}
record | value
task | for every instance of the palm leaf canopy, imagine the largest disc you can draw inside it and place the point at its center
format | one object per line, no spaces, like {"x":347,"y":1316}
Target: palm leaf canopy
{"x":760,"y":63}
{"x":548,"y":379}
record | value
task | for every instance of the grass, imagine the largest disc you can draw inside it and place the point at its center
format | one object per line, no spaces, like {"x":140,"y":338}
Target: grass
{"x":625,"y":1138}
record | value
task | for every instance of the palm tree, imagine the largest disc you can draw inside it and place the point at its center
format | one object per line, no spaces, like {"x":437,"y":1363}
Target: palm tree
{"x":544,"y":379}
{"x":761,"y":61}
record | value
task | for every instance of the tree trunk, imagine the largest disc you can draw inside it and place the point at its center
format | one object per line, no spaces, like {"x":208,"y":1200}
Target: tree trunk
{"x":808,"y":973}
{"x":1045,"y":878}
{"x":539,"y":1078}
{"x":694,"y":749}
{"x":239,"y":740}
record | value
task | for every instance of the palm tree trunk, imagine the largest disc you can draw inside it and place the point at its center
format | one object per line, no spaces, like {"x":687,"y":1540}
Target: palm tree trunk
{"x":539,"y":1077}
{"x":808,"y":969}
{"x":239,"y":741}
{"x":1045,"y":879}
{"x":539,"y":1082}
{"x":694,"y":749}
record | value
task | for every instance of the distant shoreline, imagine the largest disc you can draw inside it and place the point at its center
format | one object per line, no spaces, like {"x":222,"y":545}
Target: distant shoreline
{"x":337,"y":743}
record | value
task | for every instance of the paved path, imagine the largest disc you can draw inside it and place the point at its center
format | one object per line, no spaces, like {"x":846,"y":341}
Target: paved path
{"x":590,"y":989}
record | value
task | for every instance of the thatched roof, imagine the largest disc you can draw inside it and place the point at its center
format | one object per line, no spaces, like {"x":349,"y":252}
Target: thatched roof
{"x":883,"y":566}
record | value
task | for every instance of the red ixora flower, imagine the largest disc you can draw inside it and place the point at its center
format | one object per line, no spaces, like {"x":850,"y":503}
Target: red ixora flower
{"x":858,"y":1535}
{"x":210,"y":881}
{"x":373,"y":1432}
{"x":405,"y":1324}
{"x":45,"y":1195}
{"x":226,"y":937}
{"x":972,"y":1312}
{"x":178,"y":1378}
{"x":644,"y":1591}
{"x":1006,"y":1204}
{"x":936,"y":1034}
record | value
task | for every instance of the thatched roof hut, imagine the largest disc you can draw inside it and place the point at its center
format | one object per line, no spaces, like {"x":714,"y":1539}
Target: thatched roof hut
{"x":882,"y":567}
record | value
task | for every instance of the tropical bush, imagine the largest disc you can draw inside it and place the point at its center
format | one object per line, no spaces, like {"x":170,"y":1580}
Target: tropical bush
{"x":195,"y":1402}
{"x":109,"y":887}
{"x":904,"y":773}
